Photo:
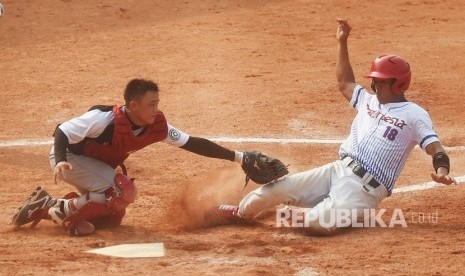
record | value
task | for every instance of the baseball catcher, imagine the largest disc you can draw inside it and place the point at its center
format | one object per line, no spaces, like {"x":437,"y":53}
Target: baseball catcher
{"x":88,"y":149}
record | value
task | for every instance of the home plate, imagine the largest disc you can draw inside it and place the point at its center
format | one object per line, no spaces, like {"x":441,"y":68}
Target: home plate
{"x":135,"y":250}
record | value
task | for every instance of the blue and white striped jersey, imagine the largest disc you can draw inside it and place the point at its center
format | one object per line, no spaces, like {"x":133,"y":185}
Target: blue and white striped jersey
{"x":382,"y":135}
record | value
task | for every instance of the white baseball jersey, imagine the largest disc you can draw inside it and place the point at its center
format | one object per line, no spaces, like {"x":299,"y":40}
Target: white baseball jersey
{"x":89,"y":174}
{"x":382,"y":135}
{"x":93,"y":123}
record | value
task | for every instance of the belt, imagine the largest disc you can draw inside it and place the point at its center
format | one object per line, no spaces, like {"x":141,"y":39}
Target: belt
{"x":361,"y":172}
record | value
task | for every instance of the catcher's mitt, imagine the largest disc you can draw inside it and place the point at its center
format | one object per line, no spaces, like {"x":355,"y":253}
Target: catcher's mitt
{"x":262,"y":169}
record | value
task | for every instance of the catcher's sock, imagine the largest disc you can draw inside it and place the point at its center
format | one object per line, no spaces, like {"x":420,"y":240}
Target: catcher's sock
{"x":62,"y":209}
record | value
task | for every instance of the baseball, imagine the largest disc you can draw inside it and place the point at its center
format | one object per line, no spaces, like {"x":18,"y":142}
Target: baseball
{"x":2,"y":10}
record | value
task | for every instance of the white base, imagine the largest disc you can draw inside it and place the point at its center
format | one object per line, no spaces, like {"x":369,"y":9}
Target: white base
{"x":137,"y":250}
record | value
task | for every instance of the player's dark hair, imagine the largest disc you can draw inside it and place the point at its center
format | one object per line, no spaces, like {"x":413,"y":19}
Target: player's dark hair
{"x":138,"y":88}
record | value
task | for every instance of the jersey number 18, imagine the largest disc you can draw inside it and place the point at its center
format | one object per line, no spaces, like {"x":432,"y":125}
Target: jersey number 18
{"x":390,"y":133}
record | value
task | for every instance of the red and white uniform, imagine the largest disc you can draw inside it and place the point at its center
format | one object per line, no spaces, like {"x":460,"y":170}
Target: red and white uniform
{"x":102,"y":138}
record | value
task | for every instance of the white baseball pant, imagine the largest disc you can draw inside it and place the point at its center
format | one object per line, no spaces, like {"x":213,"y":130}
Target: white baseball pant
{"x":324,"y":190}
{"x":89,"y":175}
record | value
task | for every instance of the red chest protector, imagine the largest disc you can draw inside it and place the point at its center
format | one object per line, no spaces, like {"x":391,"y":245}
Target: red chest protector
{"x":124,"y":141}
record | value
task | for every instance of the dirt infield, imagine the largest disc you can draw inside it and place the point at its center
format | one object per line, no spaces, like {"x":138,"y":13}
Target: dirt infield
{"x":230,"y":69}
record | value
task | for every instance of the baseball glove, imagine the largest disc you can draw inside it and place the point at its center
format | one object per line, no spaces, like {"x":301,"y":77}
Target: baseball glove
{"x":262,"y":169}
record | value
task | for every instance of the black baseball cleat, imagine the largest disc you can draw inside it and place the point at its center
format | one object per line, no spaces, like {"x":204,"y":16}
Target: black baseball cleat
{"x":223,"y":214}
{"x":30,"y":211}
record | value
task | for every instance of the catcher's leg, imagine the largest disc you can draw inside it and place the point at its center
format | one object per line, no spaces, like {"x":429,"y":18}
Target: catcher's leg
{"x":64,"y":209}
{"x":125,"y":193}
{"x":114,"y":219}
{"x":80,"y":219}
{"x":32,"y":209}
{"x":88,"y":175}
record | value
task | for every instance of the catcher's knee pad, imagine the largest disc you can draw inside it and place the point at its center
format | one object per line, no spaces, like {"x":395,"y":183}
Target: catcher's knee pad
{"x":126,"y":195}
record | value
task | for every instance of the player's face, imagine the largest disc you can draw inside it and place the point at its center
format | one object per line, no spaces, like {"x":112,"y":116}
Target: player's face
{"x":382,"y":88}
{"x":145,"y":109}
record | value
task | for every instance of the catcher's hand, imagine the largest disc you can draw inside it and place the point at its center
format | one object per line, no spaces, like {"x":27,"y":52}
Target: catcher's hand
{"x":262,"y":169}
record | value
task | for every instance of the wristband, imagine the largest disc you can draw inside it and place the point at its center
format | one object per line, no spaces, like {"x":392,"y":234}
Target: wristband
{"x":238,"y":157}
{"x":440,"y":159}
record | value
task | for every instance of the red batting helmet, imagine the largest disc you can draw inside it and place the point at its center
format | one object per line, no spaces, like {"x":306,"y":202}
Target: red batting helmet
{"x":392,"y":67}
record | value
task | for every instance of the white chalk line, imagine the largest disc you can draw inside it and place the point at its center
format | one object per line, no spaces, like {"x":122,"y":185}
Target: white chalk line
{"x":276,"y":140}
{"x":41,"y":142}
{"x":424,"y":186}
{"x":414,"y":187}
{"x":25,"y":143}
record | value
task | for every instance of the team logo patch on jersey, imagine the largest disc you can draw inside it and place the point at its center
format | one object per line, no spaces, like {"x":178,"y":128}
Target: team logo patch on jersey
{"x":174,"y":134}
